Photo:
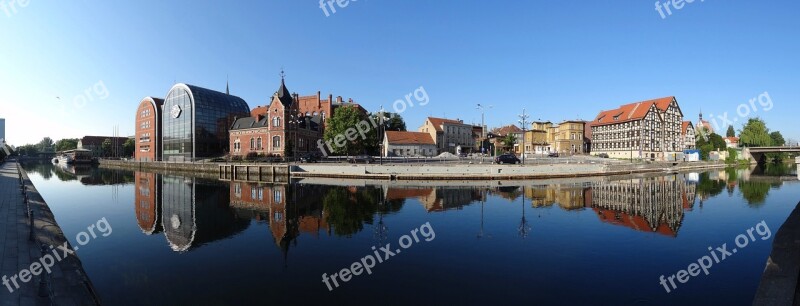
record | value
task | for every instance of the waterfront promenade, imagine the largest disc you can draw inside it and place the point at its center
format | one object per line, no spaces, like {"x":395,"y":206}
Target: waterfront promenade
{"x":67,"y":283}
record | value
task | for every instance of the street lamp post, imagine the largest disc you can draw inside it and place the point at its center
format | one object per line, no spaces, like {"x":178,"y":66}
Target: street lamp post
{"x":483,"y":128}
{"x":523,"y":121}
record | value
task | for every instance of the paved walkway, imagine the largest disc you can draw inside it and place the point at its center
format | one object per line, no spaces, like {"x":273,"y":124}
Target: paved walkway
{"x":67,"y":284}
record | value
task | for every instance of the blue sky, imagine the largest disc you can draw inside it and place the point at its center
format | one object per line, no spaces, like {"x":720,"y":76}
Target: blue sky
{"x":558,"y":59}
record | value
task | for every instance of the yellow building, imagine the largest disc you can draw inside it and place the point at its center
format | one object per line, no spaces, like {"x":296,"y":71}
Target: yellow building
{"x":568,"y":137}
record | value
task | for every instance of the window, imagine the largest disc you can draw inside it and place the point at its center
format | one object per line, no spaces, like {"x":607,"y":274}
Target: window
{"x":276,"y":121}
{"x":252,"y":143}
{"x":276,"y":141}
{"x":277,"y":196}
{"x":258,"y":144}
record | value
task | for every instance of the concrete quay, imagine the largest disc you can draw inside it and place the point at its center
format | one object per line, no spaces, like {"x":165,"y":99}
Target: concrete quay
{"x":22,"y":238}
{"x":489,"y":171}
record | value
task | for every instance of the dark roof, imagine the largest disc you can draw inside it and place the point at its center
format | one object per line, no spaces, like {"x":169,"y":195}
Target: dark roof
{"x":205,"y":95}
{"x":312,"y":122}
{"x":284,"y":95}
{"x":249,"y":123}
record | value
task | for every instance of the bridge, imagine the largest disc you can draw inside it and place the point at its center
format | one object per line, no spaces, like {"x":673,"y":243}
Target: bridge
{"x":758,"y":154}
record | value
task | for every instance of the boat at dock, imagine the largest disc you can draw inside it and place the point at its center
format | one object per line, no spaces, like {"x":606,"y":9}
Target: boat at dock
{"x":77,"y":156}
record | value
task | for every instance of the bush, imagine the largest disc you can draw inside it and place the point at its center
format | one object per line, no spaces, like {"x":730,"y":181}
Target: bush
{"x":252,"y":156}
{"x":236,"y":158}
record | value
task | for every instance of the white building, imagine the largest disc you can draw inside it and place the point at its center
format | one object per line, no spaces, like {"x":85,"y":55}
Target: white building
{"x":408,"y":144}
{"x":648,"y":129}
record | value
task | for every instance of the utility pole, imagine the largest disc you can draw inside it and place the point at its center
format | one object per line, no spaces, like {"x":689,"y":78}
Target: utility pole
{"x":483,"y":128}
{"x":523,"y":121}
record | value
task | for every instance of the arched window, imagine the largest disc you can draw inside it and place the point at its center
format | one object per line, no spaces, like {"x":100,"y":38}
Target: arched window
{"x":276,"y":141}
{"x":258,"y":144}
{"x":252,"y":143}
{"x":308,"y":113}
{"x":315,"y":113}
{"x":323,"y":115}
{"x":276,"y":121}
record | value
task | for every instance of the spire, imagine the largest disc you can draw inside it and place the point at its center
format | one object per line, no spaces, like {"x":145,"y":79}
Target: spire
{"x":283,"y":94}
{"x":227,"y":87}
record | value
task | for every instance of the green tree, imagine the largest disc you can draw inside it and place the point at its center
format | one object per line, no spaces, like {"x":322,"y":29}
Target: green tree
{"x":46,"y":144}
{"x":393,"y":122}
{"x":288,"y":149}
{"x":777,"y":138}
{"x":336,"y":131}
{"x":128,"y":147}
{"x":731,"y":132}
{"x":508,"y":141}
{"x":106,"y":147}
{"x":755,"y":134}
{"x":67,"y":144}
{"x":717,"y":142}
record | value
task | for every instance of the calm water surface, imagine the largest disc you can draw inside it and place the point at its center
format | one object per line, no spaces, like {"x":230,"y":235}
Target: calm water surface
{"x":179,"y":240}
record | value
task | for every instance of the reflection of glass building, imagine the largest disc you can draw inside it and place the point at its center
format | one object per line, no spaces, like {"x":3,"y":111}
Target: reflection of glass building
{"x":196,"y":121}
{"x":195,"y":212}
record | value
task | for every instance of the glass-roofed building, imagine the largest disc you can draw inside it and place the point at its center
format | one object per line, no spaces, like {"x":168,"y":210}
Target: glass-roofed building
{"x":196,"y":121}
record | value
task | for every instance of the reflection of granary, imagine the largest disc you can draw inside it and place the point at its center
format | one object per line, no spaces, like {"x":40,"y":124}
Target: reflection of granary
{"x":567,"y":197}
{"x":148,"y":202}
{"x":646,"y":204}
{"x":196,"y":211}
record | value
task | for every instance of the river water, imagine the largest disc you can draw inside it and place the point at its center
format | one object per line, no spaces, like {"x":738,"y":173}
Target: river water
{"x":181,"y":240}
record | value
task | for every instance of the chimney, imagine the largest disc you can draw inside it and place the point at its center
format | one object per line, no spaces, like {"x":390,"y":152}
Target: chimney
{"x":339,"y":100}
{"x":350,"y":100}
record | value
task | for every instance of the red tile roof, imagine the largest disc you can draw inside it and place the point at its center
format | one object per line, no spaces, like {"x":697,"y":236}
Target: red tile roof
{"x":438,"y":122}
{"x":632,"y":111}
{"x":684,"y":126}
{"x":508,"y":129}
{"x":395,"y":137}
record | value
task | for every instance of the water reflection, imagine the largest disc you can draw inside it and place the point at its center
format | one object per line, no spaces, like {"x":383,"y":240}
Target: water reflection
{"x":654,"y":204}
{"x":193,"y":211}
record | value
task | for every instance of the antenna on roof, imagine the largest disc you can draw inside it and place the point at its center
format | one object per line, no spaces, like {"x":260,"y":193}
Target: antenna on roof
{"x":227,"y":86}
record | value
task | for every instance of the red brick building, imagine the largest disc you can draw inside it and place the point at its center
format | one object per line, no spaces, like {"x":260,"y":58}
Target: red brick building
{"x":272,"y":127}
{"x":148,"y":130}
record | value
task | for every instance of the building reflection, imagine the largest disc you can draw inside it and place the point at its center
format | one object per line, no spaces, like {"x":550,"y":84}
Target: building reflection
{"x":289,"y":210}
{"x":567,"y":197}
{"x":649,"y":204}
{"x":436,"y":199}
{"x":189,"y":211}
{"x":147,"y":201}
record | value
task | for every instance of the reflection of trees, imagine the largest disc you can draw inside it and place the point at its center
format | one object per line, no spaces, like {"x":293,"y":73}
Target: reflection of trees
{"x":707,"y":187}
{"x":348,"y":210}
{"x":44,"y":169}
{"x":755,"y":193}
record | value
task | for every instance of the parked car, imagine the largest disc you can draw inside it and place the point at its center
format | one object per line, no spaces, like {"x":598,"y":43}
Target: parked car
{"x":309,"y":158}
{"x":361,"y":159}
{"x":507,"y":159}
{"x":554,"y":154}
{"x":602,"y":155}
